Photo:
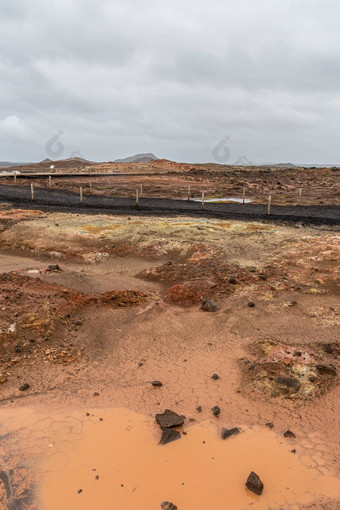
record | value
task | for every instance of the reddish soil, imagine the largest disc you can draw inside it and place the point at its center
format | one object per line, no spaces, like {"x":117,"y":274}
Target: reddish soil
{"x":125,"y":310}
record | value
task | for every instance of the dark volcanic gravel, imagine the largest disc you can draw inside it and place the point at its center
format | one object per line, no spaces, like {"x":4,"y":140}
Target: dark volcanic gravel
{"x":67,"y":201}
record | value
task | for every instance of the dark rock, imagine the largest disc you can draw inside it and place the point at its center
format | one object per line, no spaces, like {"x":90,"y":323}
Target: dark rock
{"x":233,"y":281}
{"x":96,"y":394}
{"x":226,"y":433}
{"x":157,"y":384}
{"x":18,"y":348}
{"x":24,"y":387}
{"x":78,"y":323}
{"x":169,"y":435}
{"x":80,"y":490}
{"x":209,"y":306}
{"x":216,"y":410}
{"x":289,"y":433}
{"x":288,"y":383}
{"x":54,"y":267}
{"x":298,"y":353}
{"x":215,"y":377}
{"x":199,"y":409}
{"x":251,"y":304}
{"x":254,"y":483}
{"x":270,"y":425}
{"x":169,"y":263}
{"x":168,"y":506}
{"x":169,"y":419}
{"x":293,"y":451}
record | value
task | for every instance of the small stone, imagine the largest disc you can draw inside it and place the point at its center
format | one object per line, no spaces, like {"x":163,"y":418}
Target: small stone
{"x":254,"y":483}
{"x":80,"y":490}
{"x":54,"y":267}
{"x":169,"y":419}
{"x":169,"y":263}
{"x":24,"y":387}
{"x":298,"y":353}
{"x":96,"y":394}
{"x":216,"y":410}
{"x":209,"y":306}
{"x":233,"y":281}
{"x":270,"y":425}
{"x":18,"y":348}
{"x":226,"y":433}
{"x":157,"y":384}
{"x":166,"y":505}
{"x":97,"y":477}
{"x":199,"y":409}
{"x":251,"y":304}
{"x":169,"y":435}
{"x":215,"y":377}
{"x":289,"y":433}
{"x":293,"y":451}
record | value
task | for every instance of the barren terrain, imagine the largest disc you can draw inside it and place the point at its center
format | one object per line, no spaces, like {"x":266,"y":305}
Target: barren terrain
{"x":94,"y":308}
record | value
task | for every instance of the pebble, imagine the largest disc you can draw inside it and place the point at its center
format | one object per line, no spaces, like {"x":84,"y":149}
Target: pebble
{"x":251,"y":304}
{"x":226,"y":433}
{"x":157,"y":384}
{"x":289,"y":433}
{"x":254,"y":483}
{"x":209,"y":306}
{"x":24,"y":387}
{"x":215,"y":377}
{"x":216,"y":410}
{"x":169,"y":435}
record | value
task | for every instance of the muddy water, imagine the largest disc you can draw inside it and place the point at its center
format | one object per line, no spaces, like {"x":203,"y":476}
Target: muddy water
{"x":199,"y":471}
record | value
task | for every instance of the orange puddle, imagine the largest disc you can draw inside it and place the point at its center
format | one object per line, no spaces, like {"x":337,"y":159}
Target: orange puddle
{"x":199,"y":471}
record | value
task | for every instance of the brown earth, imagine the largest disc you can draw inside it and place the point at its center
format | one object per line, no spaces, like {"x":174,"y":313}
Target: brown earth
{"x":168,"y":179}
{"x":72,"y":335}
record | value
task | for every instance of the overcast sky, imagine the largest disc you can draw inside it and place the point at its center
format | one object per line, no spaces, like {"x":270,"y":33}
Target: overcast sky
{"x":119,"y":77}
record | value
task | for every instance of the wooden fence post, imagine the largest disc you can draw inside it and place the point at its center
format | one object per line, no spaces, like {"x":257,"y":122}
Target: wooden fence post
{"x":81,"y":198}
{"x":137,"y":198}
{"x":49,"y":182}
{"x":203,"y":200}
{"x":32,"y":191}
{"x":269,"y":203}
{"x":244,"y":195}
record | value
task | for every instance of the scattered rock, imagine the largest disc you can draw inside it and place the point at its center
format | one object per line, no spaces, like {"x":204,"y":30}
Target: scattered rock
{"x":216,"y":410}
{"x":24,"y":387}
{"x":226,"y":433}
{"x":209,"y":306}
{"x":168,"y":506}
{"x":270,"y":425}
{"x":289,"y":433}
{"x":215,"y":377}
{"x":199,"y":409}
{"x":233,"y":281}
{"x":54,"y":267}
{"x":169,"y":419}
{"x":96,"y":394}
{"x":293,"y":451}
{"x":251,"y":304}
{"x":18,"y":348}
{"x":254,"y":483}
{"x":169,"y":435}
{"x":157,"y":384}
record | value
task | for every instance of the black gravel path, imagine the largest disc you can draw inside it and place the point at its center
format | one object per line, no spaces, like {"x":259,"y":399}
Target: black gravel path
{"x":66,"y":201}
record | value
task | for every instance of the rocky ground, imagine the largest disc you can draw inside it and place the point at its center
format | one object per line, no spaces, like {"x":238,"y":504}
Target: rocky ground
{"x":168,"y":179}
{"x":95,"y":309}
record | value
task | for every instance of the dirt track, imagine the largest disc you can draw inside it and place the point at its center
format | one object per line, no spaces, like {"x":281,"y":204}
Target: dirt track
{"x":68,"y":202}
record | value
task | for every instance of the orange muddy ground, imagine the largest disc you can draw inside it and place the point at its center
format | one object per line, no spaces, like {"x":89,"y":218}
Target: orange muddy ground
{"x":91,"y":337}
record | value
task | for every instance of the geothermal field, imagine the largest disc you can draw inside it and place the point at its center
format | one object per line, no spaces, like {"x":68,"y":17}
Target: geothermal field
{"x":161,"y":349}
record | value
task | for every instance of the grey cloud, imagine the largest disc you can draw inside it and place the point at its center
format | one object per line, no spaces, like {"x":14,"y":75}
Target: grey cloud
{"x":173,"y":78}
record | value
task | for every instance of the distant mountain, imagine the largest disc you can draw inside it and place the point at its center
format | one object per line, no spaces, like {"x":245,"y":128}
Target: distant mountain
{"x":138,"y":158}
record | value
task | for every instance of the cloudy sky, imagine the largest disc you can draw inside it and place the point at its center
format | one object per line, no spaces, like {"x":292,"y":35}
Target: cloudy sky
{"x":189,"y":80}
